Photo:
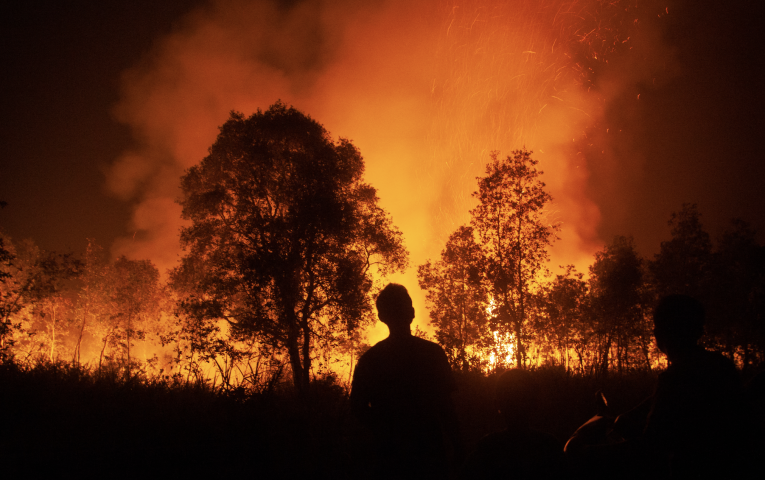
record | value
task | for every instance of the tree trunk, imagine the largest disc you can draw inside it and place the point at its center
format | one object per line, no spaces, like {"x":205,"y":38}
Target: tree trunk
{"x":294,"y":353}
{"x":101,"y":357}
{"x":127,"y":371}
{"x":53,"y":334}
{"x":519,"y":353}
{"x":604,"y":357}
{"x":76,"y":356}
{"x":350,"y":368}
{"x":306,"y":356}
{"x":106,"y":340}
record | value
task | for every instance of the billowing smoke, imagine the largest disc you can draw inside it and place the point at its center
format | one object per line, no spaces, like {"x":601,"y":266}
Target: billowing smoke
{"x":425,"y":89}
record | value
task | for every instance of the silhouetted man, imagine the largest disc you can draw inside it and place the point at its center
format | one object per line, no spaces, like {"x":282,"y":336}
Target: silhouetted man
{"x":694,"y":423}
{"x":402,"y":391}
{"x":519,"y":451}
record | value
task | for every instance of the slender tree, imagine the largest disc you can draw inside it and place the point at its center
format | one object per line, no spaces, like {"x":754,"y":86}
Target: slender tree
{"x":136,"y":300}
{"x":514,"y":232}
{"x":619,"y":303}
{"x":457,"y":299}
{"x":30,"y":277}
{"x":567,"y":311}
{"x":93,"y":307}
{"x":284,"y":235}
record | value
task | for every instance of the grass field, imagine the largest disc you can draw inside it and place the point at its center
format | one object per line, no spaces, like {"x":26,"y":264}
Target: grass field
{"x":61,"y":420}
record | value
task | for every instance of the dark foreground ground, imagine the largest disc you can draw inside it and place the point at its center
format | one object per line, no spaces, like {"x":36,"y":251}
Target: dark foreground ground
{"x":57,"y":421}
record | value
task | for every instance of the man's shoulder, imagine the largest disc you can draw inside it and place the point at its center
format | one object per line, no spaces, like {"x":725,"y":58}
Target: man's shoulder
{"x":707,"y":373}
{"x":426,"y":344}
{"x":372,"y":351}
{"x":414,"y":343}
{"x":711,"y":364}
{"x":412,"y":349}
{"x":379,"y":350}
{"x":426,"y":349}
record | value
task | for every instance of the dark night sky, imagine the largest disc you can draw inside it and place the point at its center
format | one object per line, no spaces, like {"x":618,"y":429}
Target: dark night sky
{"x":62,"y":63}
{"x":699,"y":133}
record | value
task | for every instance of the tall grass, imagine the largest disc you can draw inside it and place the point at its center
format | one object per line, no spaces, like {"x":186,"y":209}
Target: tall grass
{"x":69,"y":420}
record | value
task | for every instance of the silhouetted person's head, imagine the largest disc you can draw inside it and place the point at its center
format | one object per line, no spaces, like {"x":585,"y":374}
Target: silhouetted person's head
{"x":678,"y":324}
{"x":394,"y":307}
{"x":516,"y":397}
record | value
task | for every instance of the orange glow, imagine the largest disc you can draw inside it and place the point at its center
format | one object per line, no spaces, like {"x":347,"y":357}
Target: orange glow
{"x":503,"y":353}
{"x":425,"y":89}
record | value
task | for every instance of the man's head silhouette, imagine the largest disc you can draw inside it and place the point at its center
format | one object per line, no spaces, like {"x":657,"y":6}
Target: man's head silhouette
{"x":678,"y":323}
{"x":394,"y":307}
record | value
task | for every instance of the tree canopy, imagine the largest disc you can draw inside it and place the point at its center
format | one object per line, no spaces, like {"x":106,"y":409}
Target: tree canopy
{"x":514,"y":233}
{"x":284,"y":235}
{"x":619,"y":304}
{"x":488,"y":280}
{"x":457,"y":299}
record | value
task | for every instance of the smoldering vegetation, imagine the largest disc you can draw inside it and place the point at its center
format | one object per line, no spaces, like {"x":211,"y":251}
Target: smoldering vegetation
{"x":66,"y":420}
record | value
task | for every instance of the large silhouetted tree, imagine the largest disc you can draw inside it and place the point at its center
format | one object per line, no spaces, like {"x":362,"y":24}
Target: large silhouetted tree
{"x":284,"y":235}
{"x":514,"y":233}
{"x":456,"y":298}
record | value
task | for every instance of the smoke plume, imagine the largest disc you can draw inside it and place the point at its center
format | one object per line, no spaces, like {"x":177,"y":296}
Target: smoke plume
{"x":425,"y":89}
